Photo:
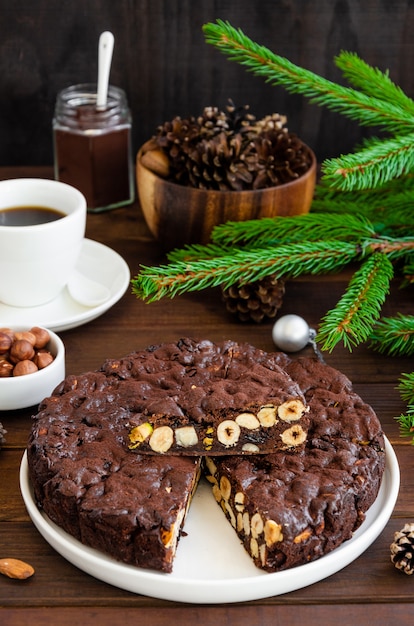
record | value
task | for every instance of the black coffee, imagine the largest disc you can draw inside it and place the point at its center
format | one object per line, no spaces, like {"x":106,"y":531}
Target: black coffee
{"x":28,"y":215}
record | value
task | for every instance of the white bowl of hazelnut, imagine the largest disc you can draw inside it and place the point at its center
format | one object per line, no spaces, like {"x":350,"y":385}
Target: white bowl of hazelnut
{"x":32,"y":364}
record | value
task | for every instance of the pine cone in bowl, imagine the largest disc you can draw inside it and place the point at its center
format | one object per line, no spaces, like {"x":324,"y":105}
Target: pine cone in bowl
{"x":227,"y":151}
{"x":198,"y":172}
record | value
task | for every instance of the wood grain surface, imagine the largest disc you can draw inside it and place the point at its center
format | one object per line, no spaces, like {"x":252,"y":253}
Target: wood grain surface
{"x":166,"y":68}
{"x":369,"y":590}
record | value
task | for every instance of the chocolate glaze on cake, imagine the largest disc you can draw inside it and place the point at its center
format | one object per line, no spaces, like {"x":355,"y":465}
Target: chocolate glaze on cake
{"x":288,"y":507}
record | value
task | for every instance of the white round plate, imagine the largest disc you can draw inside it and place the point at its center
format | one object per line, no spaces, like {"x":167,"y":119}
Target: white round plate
{"x":211,"y":566}
{"x":97,"y":262}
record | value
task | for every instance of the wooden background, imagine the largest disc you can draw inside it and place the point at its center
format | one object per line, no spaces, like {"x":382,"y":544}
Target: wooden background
{"x":167,"y":69}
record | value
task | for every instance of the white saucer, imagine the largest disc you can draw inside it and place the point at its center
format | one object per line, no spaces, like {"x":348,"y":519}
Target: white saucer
{"x":97,"y":262}
{"x":211,"y":566}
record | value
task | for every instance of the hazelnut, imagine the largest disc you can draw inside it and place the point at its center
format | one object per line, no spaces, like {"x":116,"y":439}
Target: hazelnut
{"x":27,"y":335}
{"x":42,"y":359}
{"x":156,"y":161}
{"x":21,"y":350}
{"x":42,"y":337}
{"x":24,"y":367}
{"x":8,"y":331}
{"x":5,"y":342}
{"x":6,"y":369}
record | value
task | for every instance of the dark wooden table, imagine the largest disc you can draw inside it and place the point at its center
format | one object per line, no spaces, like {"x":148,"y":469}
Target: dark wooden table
{"x":370,"y":590}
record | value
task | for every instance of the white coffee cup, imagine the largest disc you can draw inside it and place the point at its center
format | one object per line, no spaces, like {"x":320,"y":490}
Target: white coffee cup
{"x":36,"y":261}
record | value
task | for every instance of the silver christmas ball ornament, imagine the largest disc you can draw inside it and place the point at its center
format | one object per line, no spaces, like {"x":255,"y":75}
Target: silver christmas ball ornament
{"x":291,"y":333}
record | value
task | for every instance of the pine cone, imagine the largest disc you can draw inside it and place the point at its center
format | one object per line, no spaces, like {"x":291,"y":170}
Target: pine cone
{"x":212,"y":122}
{"x":227,"y":150}
{"x":239,"y":120}
{"x":256,"y":301}
{"x":277,"y":157}
{"x":402,"y":549}
{"x":215,"y":164}
{"x":173,"y":140}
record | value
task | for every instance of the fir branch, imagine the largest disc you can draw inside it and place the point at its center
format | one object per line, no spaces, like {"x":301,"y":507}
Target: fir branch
{"x":389,"y":208}
{"x":327,"y":198}
{"x":394,"y":249}
{"x":372,"y":81}
{"x":309,"y":227}
{"x":406,"y":387}
{"x":383,"y":199}
{"x":196,"y":251}
{"x":378,"y":162}
{"x":277,"y":70}
{"x":408,"y":272}
{"x":394,"y":336}
{"x":271,"y":231}
{"x":351,"y":320}
{"x":406,"y":421}
{"x":243,"y":266}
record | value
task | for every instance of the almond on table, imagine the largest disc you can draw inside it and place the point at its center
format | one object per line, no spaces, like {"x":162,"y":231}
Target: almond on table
{"x":14,"y":568}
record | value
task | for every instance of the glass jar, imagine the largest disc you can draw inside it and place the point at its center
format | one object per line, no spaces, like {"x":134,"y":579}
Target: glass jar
{"x":92,"y":146}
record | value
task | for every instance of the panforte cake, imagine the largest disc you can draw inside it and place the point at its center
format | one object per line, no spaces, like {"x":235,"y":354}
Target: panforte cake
{"x":292,"y":507}
{"x":294,"y":456}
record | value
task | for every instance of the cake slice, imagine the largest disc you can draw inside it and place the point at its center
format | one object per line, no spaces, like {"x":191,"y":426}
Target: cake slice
{"x":89,"y":484}
{"x":197,"y":398}
{"x":290,"y":508}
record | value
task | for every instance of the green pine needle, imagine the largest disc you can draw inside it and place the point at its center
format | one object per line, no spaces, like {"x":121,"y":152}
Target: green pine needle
{"x":389,"y":208}
{"x":353,"y":317}
{"x":394,"y":336}
{"x":276,"y":70}
{"x":243,"y":266}
{"x":378,"y":162}
{"x":408,"y":272}
{"x":406,"y":387}
{"x":196,"y":251}
{"x":271,"y":231}
{"x":372,"y":81}
{"x":395,"y":249}
{"x":310,"y":227}
{"x":406,"y":421}
{"x":327,"y":198}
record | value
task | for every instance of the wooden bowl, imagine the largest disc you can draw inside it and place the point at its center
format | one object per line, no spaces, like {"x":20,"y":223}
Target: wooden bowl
{"x":177,"y":215}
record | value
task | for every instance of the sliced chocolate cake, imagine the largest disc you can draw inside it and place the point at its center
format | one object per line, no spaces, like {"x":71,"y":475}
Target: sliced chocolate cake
{"x":295,"y":456}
